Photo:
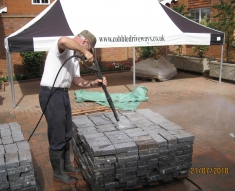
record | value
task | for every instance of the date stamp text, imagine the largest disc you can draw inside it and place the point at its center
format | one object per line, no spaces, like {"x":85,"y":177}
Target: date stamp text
{"x":209,"y":170}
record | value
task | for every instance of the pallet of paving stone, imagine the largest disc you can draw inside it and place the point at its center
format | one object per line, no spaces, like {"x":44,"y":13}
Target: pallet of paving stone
{"x":86,"y":111}
{"x":16,"y":168}
{"x":143,"y":148}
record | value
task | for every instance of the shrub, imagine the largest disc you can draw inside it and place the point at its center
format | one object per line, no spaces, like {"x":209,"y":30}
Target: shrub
{"x":149,"y":51}
{"x":33,"y":62}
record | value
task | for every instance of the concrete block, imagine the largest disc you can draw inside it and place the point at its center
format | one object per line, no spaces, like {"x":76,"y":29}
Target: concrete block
{"x":184,"y":137}
{"x":104,"y":150}
{"x":106,"y":127}
{"x":2,"y":162}
{"x":5,"y":132}
{"x":13,"y":177}
{"x":3,"y":179}
{"x":89,"y":130}
{"x":4,"y":186}
{"x":29,"y":181}
{"x":159,"y":139}
{"x":133,"y":130}
{"x":169,"y":137}
{"x":32,"y":188}
{"x":169,"y":126}
{"x":18,"y":137}
{"x":16,"y":131}
{"x":11,"y":148}
{"x":94,"y":135}
{"x":99,"y":119}
{"x":12,"y":160}
{"x":146,"y":144}
{"x":125,"y":125}
{"x":19,"y":169}
{"x":28,"y":173}
{"x":3,"y":173}
{"x":143,"y":150}
{"x":137,"y":134}
{"x":2,"y":150}
{"x":126,"y":147}
{"x":14,"y":126}
{"x":148,"y":126}
{"x":25,"y":157}
{"x":23,"y":145}
{"x":16,"y":169}
{"x":4,"y":126}
{"x":117,"y":139}
{"x":7,"y":140}
{"x":100,"y":143}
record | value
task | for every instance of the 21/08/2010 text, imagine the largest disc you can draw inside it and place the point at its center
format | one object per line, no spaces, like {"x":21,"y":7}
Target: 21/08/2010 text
{"x":209,"y":170}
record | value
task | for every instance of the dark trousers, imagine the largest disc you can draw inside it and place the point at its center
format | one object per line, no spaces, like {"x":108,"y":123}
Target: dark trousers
{"x":58,"y":117}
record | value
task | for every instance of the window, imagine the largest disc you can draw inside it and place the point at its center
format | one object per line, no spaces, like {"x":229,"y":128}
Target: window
{"x":41,"y":2}
{"x":198,"y":14}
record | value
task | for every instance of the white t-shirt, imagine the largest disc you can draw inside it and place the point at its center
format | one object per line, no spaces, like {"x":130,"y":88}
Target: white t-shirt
{"x":53,"y":63}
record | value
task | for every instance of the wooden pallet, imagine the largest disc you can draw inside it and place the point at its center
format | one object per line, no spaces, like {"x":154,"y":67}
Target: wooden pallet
{"x":147,"y":78}
{"x":86,"y":111}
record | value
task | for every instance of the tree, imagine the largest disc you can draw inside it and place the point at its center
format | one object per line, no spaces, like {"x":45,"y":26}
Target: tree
{"x":224,"y":21}
{"x":201,"y":49}
{"x":181,"y":10}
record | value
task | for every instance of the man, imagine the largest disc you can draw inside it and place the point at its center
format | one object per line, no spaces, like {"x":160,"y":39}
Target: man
{"x":58,"y":109}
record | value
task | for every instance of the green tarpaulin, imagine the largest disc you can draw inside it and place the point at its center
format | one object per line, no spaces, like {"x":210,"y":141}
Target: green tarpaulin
{"x":124,"y":101}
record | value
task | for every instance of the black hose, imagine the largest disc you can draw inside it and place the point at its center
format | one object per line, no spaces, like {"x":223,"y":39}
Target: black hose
{"x":51,"y":92}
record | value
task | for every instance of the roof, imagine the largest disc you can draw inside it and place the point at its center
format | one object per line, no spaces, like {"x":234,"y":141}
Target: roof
{"x":113,"y":24}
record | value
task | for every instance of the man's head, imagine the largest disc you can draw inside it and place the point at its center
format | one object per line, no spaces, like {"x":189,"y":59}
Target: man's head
{"x":86,"y":39}
{"x":89,"y":36}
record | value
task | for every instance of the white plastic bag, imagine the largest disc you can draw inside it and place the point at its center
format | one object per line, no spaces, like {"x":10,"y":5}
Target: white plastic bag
{"x":160,"y":69}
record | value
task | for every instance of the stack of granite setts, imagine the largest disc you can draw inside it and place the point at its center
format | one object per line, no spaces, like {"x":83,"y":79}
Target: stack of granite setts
{"x":142,"y":148}
{"x":16,"y":168}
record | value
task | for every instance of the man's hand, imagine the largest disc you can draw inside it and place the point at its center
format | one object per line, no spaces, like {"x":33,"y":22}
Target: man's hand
{"x":98,"y":82}
{"x":78,"y":81}
{"x":89,"y":56}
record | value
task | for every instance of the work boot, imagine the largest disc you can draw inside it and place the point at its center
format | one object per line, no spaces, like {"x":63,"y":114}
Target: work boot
{"x":57,"y":162}
{"x":68,"y":168}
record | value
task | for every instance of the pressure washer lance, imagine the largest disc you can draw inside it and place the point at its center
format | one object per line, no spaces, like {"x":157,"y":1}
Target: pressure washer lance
{"x":94,"y":67}
{"x":97,"y":70}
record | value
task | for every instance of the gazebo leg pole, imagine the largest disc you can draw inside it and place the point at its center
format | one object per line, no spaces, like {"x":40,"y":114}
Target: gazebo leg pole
{"x":133,"y":68}
{"x":221,"y":63}
{"x":10,"y":77}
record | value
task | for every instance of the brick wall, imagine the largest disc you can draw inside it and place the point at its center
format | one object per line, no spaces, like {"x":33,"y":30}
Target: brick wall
{"x":9,"y":23}
{"x":24,"y":6}
{"x":214,"y":50}
{"x":198,"y":3}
